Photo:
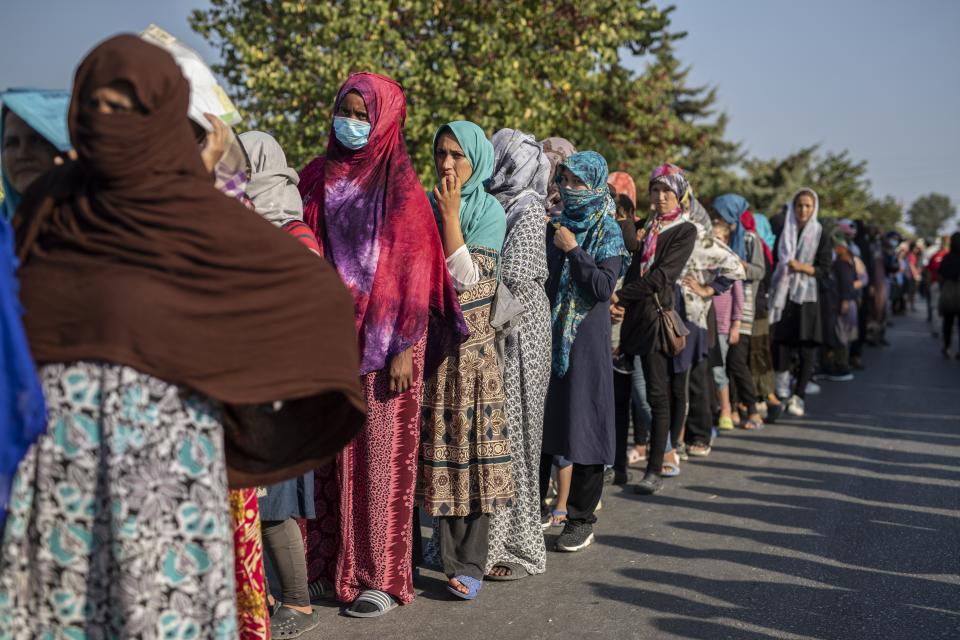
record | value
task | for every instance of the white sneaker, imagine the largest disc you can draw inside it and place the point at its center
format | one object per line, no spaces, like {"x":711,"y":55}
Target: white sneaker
{"x":795,"y":406}
{"x":812,"y":389}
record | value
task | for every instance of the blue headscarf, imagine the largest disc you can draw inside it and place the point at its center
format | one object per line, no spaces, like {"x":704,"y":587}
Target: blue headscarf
{"x":482,"y":219}
{"x":46,"y":112}
{"x":22,"y":411}
{"x":764,"y":230}
{"x":731,"y":206}
{"x":589,"y":214}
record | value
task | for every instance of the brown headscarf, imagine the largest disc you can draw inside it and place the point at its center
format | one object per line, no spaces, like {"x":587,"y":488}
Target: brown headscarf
{"x":131,"y":256}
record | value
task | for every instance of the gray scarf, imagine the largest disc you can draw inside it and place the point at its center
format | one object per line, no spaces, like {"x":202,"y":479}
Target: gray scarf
{"x":520,"y":172}
{"x":273,"y":185}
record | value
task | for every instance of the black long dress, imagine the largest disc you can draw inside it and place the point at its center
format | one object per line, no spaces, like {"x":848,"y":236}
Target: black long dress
{"x":580,"y":422}
{"x":802,"y":323}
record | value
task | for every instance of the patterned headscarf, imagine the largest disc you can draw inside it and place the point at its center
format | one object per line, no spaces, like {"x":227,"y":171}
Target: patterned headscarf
{"x":848,"y":227}
{"x":589,"y":215}
{"x":675,"y":180}
{"x":731,"y":206}
{"x":520,"y":172}
{"x":482,"y":218}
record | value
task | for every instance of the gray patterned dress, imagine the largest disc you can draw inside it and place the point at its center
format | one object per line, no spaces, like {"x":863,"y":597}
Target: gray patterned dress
{"x":118,"y":525}
{"x":515,"y":532}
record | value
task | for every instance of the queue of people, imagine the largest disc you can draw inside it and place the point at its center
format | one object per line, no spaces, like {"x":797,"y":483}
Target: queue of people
{"x":230,"y":388}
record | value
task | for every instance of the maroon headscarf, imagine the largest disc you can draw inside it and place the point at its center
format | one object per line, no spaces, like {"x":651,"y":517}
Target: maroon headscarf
{"x":131,"y":256}
{"x":376,"y":226}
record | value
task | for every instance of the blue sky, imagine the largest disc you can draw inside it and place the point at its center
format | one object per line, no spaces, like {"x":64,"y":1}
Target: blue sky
{"x":877,"y":77}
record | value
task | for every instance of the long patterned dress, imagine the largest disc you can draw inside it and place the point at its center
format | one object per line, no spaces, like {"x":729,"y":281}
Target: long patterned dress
{"x":515,"y":532}
{"x":363,"y":535}
{"x":465,"y":451}
{"x":118,"y":522}
{"x":252,"y":618}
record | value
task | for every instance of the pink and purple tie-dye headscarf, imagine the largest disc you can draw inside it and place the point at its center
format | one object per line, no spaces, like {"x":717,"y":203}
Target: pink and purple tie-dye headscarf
{"x":375,"y":224}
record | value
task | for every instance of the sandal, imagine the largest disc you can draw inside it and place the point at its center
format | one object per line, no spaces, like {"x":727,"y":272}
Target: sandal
{"x":682,"y":452}
{"x":289,"y":623}
{"x":470,"y":583}
{"x":670,"y":470}
{"x":753,"y":425}
{"x":637,"y":460}
{"x":319,"y":590}
{"x":699,"y":450}
{"x":725,"y":424}
{"x":517,"y":572}
{"x":558,"y":518}
{"x":372,"y":603}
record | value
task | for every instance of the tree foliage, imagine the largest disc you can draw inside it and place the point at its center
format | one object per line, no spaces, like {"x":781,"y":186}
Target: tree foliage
{"x":548,"y":67}
{"x":929,"y":213}
{"x":886,"y":213}
{"x":838,"y":179}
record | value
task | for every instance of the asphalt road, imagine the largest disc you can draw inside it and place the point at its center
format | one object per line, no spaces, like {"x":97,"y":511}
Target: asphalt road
{"x":845,"y":524}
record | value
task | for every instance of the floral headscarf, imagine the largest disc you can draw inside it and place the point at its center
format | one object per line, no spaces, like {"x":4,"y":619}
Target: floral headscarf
{"x":675,"y":180}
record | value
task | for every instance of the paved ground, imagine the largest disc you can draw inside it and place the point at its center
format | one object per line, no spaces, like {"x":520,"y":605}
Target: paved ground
{"x":845,"y":524}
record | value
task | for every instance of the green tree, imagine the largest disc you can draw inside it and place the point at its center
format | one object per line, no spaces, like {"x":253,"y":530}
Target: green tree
{"x":699,"y":140}
{"x":549,"y":67}
{"x":838,"y":179}
{"x":886,"y":213}
{"x":929,"y":213}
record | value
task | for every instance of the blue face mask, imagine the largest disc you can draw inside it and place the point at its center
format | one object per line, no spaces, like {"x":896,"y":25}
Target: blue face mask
{"x":351,"y":133}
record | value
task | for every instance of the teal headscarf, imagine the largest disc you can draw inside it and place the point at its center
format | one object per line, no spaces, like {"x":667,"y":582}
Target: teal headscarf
{"x":764,"y":230}
{"x":482,"y":220}
{"x":46,"y":112}
{"x":589,"y":214}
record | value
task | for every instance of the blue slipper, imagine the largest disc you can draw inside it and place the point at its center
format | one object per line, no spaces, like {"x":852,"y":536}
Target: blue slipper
{"x":470,"y":583}
{"x":674,"y":470}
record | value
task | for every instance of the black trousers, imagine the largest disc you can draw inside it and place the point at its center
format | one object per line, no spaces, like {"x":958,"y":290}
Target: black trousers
{"x":948,"y":320}
{"x":586,"y":489}
{"x":856,"y":347}
{"x":738,"y":370}
{"x":667,"y":395}
{"x":623,"y":402}
{"x":700,"y":416}
{"x":464,"y":544}
{"x":284,"y":546}
{"x":808,"y":360}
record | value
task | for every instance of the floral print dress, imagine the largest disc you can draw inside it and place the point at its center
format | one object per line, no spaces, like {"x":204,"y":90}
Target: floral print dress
{"x":118,"y":523}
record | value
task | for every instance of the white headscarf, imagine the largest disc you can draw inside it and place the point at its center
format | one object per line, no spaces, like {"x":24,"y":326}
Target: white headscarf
{"x":273,"y":185}
{"x":795,"y":244}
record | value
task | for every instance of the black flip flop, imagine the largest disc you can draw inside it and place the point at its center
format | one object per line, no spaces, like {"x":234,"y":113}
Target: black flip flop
{"x":517,"y":572}
{"x":372,"y":603}
{"x":320,"y":590}
{"x":288,"y":623}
